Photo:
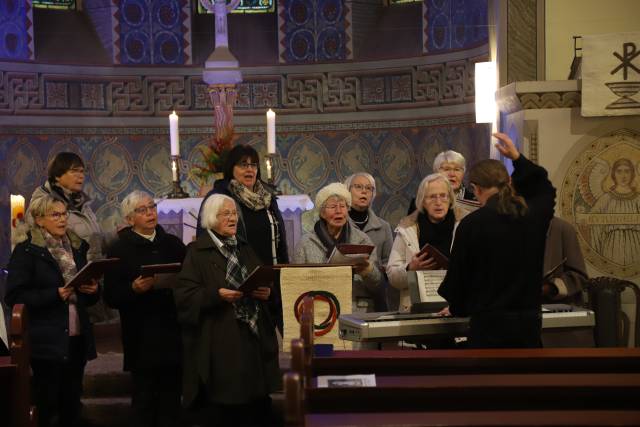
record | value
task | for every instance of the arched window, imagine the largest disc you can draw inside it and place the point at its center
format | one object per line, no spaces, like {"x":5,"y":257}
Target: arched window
{"x":248,"y":6}
{"x":55,"y":4}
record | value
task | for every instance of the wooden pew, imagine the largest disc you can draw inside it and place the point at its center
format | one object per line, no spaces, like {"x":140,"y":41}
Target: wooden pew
{"x":15,"y":396}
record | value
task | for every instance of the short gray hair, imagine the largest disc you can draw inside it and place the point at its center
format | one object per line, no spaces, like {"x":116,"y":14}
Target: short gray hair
{"x":335,"y":189}
{"x":424,"y":184}
{"x":133,"y":199}
{"x":449,"y":156}
{"x":211,"y":208}
{"x":370,"y":177}
{"x":40,"y":207}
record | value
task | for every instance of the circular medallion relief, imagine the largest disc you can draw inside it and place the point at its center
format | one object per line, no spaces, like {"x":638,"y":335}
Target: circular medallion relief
{"x":111,"y":166}
{"x":353,"y":155}
{"x":601,"y":196}
{"x":397,"y":163}
{"x":309,"y":164}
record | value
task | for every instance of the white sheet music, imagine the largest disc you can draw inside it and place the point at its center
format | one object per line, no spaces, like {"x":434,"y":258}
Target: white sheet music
{"x":428,"y":283}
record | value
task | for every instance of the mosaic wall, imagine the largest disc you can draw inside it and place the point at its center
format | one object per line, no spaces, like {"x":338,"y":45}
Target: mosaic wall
{"x":152,"y":32}
{"x":16,"y":30}
{"x":454,"y":24}
{"x":121,"y":160}
{"x":314,"y":31}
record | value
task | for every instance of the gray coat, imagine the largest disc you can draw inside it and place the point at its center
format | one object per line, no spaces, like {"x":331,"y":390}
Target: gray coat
{"x":310,"y":250}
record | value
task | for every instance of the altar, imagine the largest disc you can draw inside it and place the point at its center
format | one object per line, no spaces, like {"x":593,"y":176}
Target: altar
{"x":180,"y":216}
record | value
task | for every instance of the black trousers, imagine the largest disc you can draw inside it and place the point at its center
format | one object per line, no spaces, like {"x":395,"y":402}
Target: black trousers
{"x":57,"y":386}
{"x":156,"y":397}
{"x":506,"y":329}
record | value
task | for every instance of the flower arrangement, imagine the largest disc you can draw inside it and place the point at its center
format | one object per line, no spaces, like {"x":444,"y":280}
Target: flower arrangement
{"x":214,"y":156}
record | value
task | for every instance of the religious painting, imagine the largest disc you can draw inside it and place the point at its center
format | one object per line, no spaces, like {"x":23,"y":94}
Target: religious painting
{"x":601,"y":195}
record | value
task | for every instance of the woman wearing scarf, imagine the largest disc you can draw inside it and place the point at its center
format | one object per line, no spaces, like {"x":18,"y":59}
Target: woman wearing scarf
{"x":433,"y":222}
{"x":61,"y":337}
{"x":230,"y":345}
{"x":332,"y":228}
{"x":259,"y":220}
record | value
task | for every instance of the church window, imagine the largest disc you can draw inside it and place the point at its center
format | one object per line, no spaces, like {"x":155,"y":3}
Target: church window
{"x":247,"y":6}
{"x":55,"y":4}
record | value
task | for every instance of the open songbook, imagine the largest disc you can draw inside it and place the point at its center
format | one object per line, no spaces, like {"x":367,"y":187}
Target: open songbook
{"x":93,"y":270}
{"x":350,"y":254}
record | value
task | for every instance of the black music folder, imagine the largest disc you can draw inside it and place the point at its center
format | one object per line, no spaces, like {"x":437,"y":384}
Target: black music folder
{"x":152,"y":269}
{"x":93,"y":270}
{"x":263,"y":275}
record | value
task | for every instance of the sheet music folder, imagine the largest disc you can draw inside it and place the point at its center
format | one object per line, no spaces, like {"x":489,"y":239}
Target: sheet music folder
{"x":92,"y":270}
{"x":152,"y":269}
{"x":263,"y":275}
{"x":348,"y":253}
{"x":442,"y":262}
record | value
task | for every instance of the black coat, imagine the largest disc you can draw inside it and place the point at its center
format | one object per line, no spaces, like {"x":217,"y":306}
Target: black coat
{"x":260,"y":242}
{"x":222,"y":357}
{"x":34,"y":278}
{"x":150,"y":330}
{"x":496,"y":261}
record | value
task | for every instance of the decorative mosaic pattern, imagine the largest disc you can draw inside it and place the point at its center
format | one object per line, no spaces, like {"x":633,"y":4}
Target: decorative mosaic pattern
{"x":428,"y":85}
{"x":16,"y":30}
{"x":152,"y":32}
{"x":314,"y":31}
{"x":453,"y":24}
{"x":120,"y":160}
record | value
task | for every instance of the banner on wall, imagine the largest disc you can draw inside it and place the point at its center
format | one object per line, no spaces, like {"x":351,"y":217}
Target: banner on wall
{"x":611,"y":74}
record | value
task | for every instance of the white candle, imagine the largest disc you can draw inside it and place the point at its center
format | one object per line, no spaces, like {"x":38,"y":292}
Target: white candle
{"x":174,"y":171}
{"x":173,"y":133}
{"x":271,"y":132}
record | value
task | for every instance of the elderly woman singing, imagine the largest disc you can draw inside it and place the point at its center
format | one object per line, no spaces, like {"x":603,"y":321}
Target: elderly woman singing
{"x":230,"y":346}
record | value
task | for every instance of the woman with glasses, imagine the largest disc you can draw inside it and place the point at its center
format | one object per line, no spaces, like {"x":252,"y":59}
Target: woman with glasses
{"x":363,"y":190}
{"x":453,"y":165}
{"x":496,"y":262}
{"x":230,"y":345}
{"x":60,"y":334}
{"x":332,"y":228}
{"x":259,"y":220}
{"x":433,"y":222}
{"x":150,"y":330}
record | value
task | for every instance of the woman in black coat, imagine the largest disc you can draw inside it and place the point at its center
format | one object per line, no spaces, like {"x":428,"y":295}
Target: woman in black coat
{"x":230,"y":345}
{"x":495,"y":269}
{"x":259,"y":220}
{"x":60,"y":334}
{"x":150,"y":330}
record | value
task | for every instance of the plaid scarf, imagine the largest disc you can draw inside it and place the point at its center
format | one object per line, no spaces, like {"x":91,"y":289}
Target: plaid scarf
{"x":246,"y":309}
{"x":60,"y":250}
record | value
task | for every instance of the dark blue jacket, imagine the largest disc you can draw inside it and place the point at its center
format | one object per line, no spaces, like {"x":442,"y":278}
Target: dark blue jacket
{"x":34,"y":278}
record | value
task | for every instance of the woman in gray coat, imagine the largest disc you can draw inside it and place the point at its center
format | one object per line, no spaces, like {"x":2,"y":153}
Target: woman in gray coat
{"x":230,"y":347}
{"x":363,"y":190}
{"x":333,"y":202}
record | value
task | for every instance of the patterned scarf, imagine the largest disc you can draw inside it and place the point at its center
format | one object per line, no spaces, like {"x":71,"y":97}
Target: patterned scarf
{"x":246,"y":309}
{"x":60,"y":250}
{"x":257,"y":199}
{"x":327,"y":239}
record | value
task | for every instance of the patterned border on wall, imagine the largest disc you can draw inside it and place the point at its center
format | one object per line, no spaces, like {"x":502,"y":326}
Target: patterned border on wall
{"x":16,"y":30}
{"x":24,"y":92}
{"x":538,"y":95}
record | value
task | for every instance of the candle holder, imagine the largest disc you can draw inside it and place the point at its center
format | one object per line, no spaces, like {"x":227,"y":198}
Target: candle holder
{"x":176,"y":192}
{"x":270,"y":161}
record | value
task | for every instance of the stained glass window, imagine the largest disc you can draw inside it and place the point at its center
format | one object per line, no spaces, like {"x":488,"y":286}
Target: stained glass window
{"x":247,"y":6}
{"x":55,"y":4}
{"x":392,"y":2}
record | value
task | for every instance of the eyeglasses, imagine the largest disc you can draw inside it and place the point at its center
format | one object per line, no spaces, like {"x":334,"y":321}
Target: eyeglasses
{"x":76,"y":171}
{"x":143,"y":210}
{"x":432,"y":198}
{"x":57,"y":216}
{"x":361,"y":187}
{"x":336,"y":206}
{"x":228,"y":214}
{"x":449,"y":169}
{"x":245,"y":165}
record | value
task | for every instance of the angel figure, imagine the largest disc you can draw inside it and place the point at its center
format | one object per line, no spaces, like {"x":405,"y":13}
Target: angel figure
{"x":617,"y":241}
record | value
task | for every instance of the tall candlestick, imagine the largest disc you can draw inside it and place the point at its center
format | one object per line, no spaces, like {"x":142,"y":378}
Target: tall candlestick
{"x":174,"y":134}
{"x":271,"y":132}
{"x":174,"y":170}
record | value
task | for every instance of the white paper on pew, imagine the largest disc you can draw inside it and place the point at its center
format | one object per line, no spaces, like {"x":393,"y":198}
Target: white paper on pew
{"x":336,"y":381}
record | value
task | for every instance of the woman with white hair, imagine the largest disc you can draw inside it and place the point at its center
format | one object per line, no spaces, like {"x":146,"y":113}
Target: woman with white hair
{"x":453,"y":165}
{"x":363,"y":190}
{"x":333,"y":202}
{"x":230,"y":345}
{"x":150,"y":330}
{"x":44,"y":260}
{"x":433,"y":222}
